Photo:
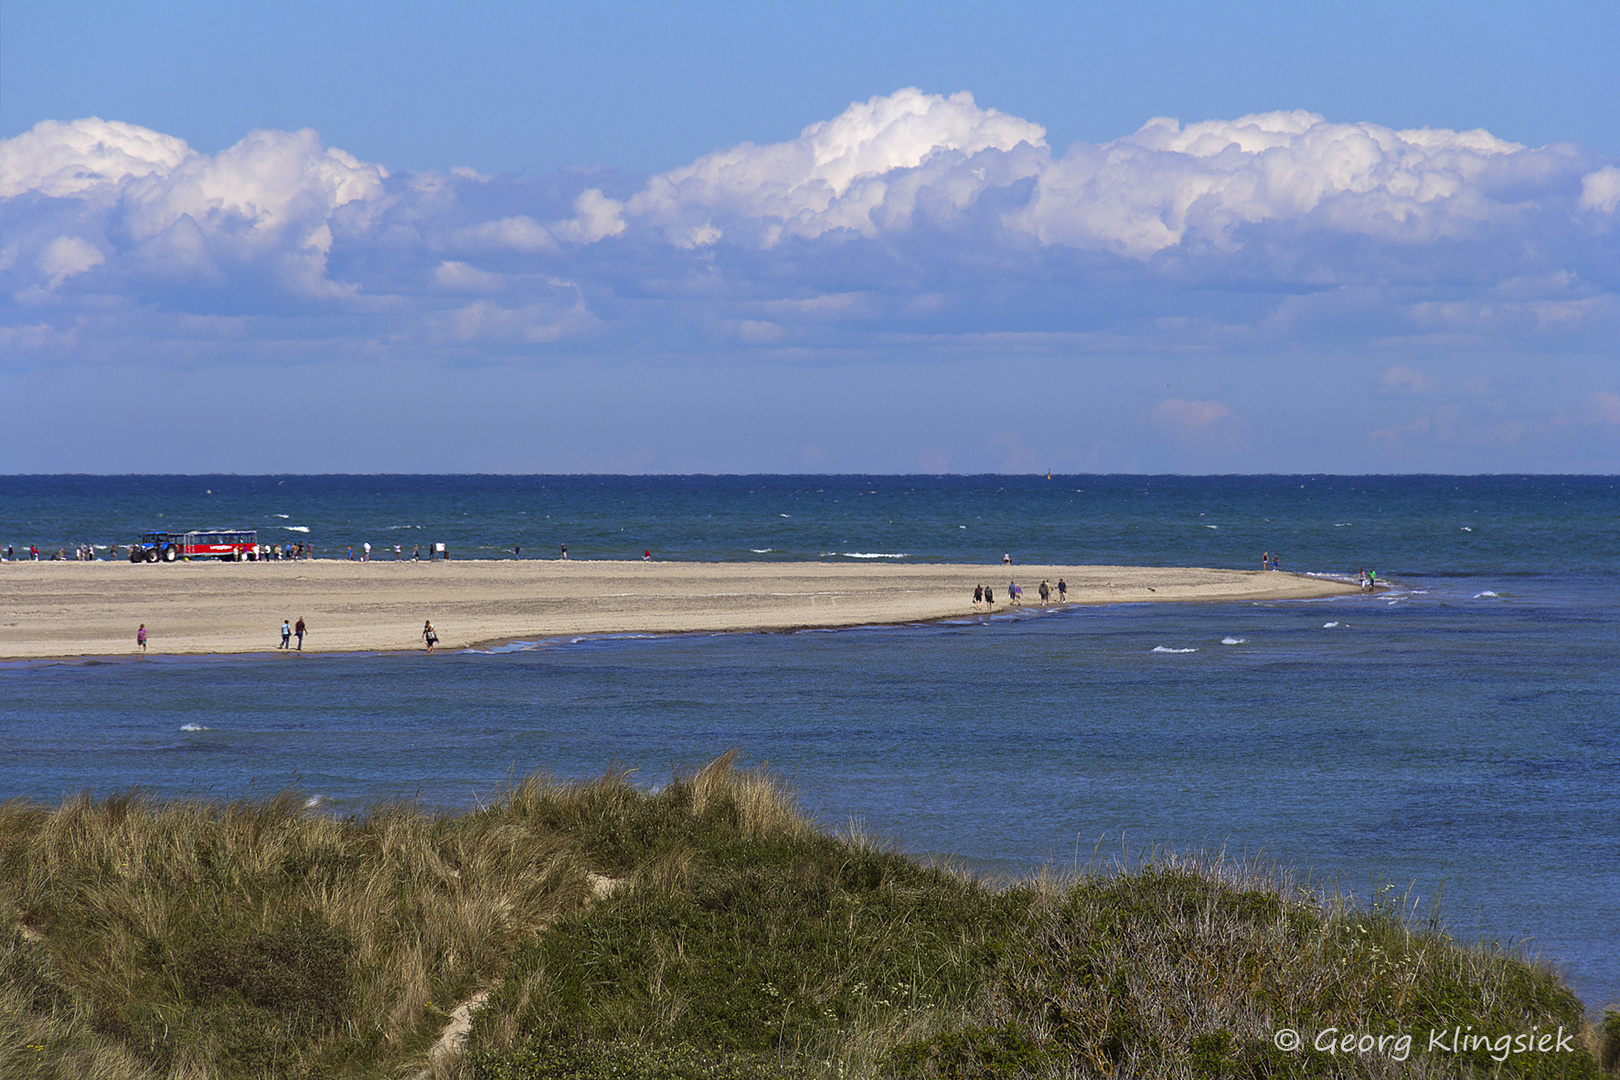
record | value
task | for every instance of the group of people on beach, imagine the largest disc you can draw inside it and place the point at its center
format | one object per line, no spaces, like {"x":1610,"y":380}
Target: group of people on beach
{"x":984,"y":596}
{"x":82,"y":553}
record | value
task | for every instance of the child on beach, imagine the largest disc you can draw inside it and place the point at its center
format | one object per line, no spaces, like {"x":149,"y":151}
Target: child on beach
{"x":429,"y":636}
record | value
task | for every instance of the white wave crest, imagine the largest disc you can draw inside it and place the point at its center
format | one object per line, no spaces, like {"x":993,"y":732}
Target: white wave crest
{"x":760,"y":551}
{"x":873,"y":554}
{"x":296,"y":528}
{"x":1233,"y":641}
{"x":193,"y":727}
{"x":1487,"y":592}
{"x":1329,"y":625}
{"x":1165,"y":649}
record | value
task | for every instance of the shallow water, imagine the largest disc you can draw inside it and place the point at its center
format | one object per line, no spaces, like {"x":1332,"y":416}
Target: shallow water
{"x":1458,"y":735}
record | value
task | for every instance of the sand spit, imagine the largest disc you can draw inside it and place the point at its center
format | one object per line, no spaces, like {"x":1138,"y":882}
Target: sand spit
{"x":92,"y":609}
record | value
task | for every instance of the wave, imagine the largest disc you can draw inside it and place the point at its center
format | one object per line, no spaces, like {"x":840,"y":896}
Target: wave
{"x":760,"y":551}
{"x":874,"y":554}
{"x":1487,"y":592}
{"x":1165,"y":649}
{"x":194,"y":727}
{"x":1233,"y":641}
{"x":283,"y":517}
{"x":296,"y":528}
{"x":1329,"y":625}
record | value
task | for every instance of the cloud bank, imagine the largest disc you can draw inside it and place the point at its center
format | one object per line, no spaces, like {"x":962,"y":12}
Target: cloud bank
{"x":912,"y":223}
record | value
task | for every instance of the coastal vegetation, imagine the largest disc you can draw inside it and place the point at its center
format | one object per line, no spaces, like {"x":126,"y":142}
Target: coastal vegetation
{"x":707,"y":929}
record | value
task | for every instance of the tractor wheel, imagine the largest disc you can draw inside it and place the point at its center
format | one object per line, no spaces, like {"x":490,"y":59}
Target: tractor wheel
{"x":152,"y":555}
{"x":171,"y":553}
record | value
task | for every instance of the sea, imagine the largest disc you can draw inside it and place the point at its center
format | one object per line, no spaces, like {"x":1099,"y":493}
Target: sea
{"x":1452,"y":743}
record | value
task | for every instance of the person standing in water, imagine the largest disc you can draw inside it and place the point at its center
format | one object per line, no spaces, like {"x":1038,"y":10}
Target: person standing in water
{"x":429,"y":636}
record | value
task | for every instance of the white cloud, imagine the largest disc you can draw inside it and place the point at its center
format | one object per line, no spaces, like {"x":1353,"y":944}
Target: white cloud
{"x":66,"y":256}
{"x":836,"y":175}
{"x":560,"y":313}
{"x":1167,"y":185}
{"x":519,"y":233}
{"x":78,"y":157}
{"x":1600,"y":190}
{"x":462,"y":277}
{"x":909,"y":218}
{"x":596,"y":216}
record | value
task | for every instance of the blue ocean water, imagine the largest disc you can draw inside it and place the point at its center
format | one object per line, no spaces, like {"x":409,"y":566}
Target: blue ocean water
{"x":1458,"y":736}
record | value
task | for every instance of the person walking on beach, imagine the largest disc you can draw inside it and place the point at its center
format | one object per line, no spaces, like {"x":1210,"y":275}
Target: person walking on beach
{"x":989,"y":597}
{"x":564,"y":551}
{"x":300,"y":630}
{"x":1046,"y":591}
{"x":1006,"y":558}
{"x":978,"y":596}
{"x":140,"y":638}
{"x":429,"y":636}
{"x":286,"y":633}
{"x":366,"y":552}
{"x":1265,"y":560}
{"x":1063,"y":591}
{"x":416,"y":553}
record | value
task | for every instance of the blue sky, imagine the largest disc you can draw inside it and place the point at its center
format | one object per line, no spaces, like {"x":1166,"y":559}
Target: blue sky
{"x":833,"y":237}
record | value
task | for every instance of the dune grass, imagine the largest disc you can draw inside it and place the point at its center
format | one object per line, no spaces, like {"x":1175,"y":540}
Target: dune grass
{"x":187,"y":940}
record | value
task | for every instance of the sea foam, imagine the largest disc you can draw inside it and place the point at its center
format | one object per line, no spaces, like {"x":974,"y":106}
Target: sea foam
{"x":1233,"y":641}
{"x":1165,"y":649}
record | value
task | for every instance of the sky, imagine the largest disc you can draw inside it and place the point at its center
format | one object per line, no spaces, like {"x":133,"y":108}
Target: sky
{"x":726,"y":238}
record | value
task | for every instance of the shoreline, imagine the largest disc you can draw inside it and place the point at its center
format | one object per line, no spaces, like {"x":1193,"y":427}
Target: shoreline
{"x":67,"y":610}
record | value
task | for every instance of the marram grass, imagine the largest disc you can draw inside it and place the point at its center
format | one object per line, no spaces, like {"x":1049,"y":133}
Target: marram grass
{"x":704,"y":931}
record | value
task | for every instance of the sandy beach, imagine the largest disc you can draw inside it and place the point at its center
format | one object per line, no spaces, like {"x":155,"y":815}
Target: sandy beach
{"x":93,"y":609}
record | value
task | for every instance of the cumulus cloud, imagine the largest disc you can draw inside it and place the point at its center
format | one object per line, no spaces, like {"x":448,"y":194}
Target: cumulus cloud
{"x":918,"y":217}
{"x":1600,"y":190}
{"x":84,"y":157}
{"x":847,"y":173}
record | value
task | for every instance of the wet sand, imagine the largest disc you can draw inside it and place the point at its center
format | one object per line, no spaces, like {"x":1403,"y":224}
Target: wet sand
{"x":92,"y":609}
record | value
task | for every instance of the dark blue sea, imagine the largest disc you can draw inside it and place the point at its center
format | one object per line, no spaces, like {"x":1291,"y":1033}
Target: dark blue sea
{"x":1457,"y":737}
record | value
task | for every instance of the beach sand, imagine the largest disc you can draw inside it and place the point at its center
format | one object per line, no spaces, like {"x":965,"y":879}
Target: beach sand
{"x":92,"y":609}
